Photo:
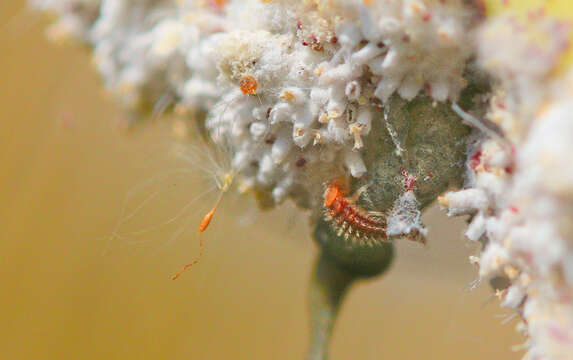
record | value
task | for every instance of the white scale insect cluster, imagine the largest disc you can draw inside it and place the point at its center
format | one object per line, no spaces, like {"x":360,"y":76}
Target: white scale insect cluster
{"x":318,"y":69}
{"x":289,"y":86}
{"x":292,"y":88}
{"x":521,"y":186}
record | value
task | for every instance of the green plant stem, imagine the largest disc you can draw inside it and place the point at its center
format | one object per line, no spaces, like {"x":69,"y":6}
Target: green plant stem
{"x":336,"y":268}
{"x":328,"y":287}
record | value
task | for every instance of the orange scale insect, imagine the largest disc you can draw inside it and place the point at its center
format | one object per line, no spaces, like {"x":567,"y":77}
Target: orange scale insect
{"x":350,"y":219}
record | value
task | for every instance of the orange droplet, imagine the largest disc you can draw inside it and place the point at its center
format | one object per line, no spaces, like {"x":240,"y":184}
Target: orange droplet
{"x":249,"y":85}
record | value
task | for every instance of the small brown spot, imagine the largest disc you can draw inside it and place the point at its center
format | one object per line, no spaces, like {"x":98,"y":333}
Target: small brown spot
{"x":317,"y":47}
{"x":269,"y":112}
{"x":380,"y":44}
{"x":406,"y":38}
{"x":301,"y":162}
{"x":333,"y":40}
{"x":270,"y":140}
{"x":428,"y":88}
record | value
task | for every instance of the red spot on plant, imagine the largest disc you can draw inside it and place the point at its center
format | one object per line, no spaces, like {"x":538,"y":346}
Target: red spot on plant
{"x":428,"y":88}
{"x":511,"y":167}
{"x":409,"y":180}
{"x":475,"y":160}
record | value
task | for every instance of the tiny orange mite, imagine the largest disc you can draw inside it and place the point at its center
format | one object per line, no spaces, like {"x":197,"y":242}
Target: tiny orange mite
{"x":249,"y":85}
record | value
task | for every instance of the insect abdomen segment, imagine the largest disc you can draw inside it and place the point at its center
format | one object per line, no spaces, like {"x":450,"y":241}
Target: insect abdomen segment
{"x":351,"y":220}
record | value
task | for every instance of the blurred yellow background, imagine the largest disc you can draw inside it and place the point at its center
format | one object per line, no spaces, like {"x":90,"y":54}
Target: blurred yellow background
{"x":71,"y":290}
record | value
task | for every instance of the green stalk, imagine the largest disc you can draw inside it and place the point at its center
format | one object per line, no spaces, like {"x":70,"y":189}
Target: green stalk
{"x":337,"y":267}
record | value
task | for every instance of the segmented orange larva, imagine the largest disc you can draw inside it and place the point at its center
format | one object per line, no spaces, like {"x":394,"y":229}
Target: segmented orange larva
{"x":357,"y":224}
